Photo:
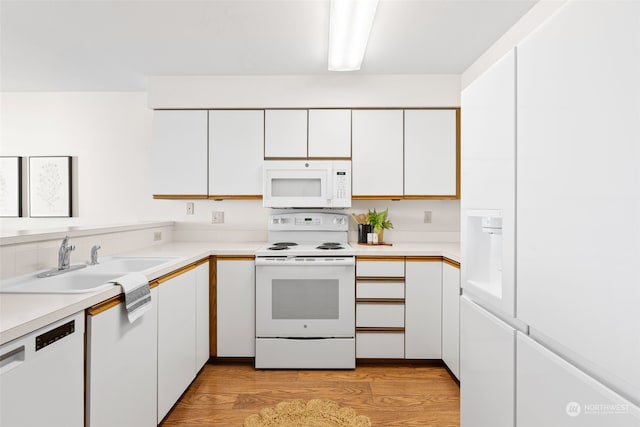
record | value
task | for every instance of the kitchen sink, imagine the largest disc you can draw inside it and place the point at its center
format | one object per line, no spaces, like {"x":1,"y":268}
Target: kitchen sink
{"x":90,"y":279}
{"x":70,"y":283}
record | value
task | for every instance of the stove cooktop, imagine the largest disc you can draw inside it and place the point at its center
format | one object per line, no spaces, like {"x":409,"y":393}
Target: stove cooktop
{"x":305,"y":249}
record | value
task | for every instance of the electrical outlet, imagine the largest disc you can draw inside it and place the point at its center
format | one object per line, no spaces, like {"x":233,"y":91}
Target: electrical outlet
{"x":157,"y":235}
{"x":427,"y":217}
{"x":217,"y":217}
{"x":190,"y":208}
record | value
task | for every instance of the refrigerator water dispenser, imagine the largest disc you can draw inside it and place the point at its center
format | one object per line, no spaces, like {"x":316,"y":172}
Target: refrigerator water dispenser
{"x":484,"y":251}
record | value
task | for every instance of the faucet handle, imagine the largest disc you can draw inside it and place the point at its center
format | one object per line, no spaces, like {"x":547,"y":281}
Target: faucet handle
{"x":94,"y":255}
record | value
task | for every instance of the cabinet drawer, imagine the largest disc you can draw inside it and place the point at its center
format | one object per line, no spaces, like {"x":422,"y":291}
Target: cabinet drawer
{"x":367,"y":268}
{"x":380,"y":345}
{"x":366,"y":289}
{"x":380,"y":315}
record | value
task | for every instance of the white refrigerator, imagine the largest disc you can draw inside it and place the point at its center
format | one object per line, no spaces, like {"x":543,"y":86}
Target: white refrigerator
{"x":550,"y":313}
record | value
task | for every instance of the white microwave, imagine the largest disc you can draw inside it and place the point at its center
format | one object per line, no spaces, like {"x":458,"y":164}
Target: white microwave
{"x":307,"y":184}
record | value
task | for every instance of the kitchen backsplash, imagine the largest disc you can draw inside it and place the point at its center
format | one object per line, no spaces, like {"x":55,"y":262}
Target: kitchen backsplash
{"x":246,"y":220}
{"x":32,"y":252}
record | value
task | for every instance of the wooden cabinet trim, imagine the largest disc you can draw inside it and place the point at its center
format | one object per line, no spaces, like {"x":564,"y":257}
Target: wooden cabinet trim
{"x":213,"y":308}
{"x":105,"y":305}
{"x":180,"y":196}
{"x":367,"y":258}
{"x":379,"y":300}
{"x":236,"y":257}
{"x":377,"y":197}
{"x":458,"y":155}
{"x":379,"y":279}
{"x":451,"y":262}
{"x":429,"y":258}
{"x":234,"y":196}
{"x":114,"y":301}
{"x":384,"y":330}
{"x":175,"y":273}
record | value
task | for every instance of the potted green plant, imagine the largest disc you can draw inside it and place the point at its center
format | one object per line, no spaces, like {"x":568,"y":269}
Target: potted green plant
{"x":379,"y":222}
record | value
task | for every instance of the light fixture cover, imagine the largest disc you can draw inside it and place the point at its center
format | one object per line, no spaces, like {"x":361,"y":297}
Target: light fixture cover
{"x":349,"y":27}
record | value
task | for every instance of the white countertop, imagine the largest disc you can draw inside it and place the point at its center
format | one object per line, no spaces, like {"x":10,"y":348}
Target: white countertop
{"x":24,"y":313}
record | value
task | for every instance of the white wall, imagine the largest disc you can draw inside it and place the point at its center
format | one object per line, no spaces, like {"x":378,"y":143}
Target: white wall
{"x":304,"y":91}
{"x":246,"y":220}
{"x":539,"y":13}
{"x":108,"y":134}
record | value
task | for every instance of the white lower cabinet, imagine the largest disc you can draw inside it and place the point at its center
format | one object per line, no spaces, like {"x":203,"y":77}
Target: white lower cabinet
{"x":121,"y":377}
{"x":202,"y":315}
{"x":235,"y":300}
{"x":552,"y":392}
{"x":182,"y":319}
{"x":176,"y":339}
{"x":423,"y":300}
{"x":451,"y":317}
{"x":487,"y":368}
{"x":379,"y":345}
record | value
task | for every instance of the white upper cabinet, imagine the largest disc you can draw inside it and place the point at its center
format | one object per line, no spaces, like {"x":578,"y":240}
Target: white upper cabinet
{"x":236,"y":139}
{"x":377,"y":146}
{"x":285,"y":133}
{"x":179,"y":153}
{"x":430,"y":153}
{"x":330,"y":133}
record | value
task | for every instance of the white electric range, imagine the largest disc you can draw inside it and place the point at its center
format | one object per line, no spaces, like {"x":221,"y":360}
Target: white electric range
{"x":305,"y":293}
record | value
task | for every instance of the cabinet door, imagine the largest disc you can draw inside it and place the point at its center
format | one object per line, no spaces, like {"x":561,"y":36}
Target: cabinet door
{"x":330,"y":133}
{"x":119,"y":352}
{"x":202,"y":315}
{"x":377,"y":153}
{"x":285,"y":133}
{"x":487,"y":368}
{"x":451,"y":318}
{"x":179,"y":153}
{"x":552,"y":392}
{"x":235,"y":287}
{"x":430,"y":153}
{"x":423,"y":301}
{"x":236,"y":140}
{"x":176,"y":339}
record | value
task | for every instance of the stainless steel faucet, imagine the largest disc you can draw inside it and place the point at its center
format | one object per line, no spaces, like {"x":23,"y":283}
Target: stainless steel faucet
{"x":94,"y":255}
{"x":64,"y":254}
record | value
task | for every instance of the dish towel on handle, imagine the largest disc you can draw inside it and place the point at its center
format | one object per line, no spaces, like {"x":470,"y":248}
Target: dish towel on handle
{"x":137,"y":295}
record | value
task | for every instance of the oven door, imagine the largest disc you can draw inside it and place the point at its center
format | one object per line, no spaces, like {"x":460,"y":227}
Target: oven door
{"x":305,"y":301}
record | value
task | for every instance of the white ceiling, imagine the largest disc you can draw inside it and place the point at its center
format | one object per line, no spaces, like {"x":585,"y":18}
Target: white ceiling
{"x":96,"y":45}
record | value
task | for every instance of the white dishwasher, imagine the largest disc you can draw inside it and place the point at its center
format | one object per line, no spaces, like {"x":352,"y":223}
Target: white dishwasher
{"x":42,"y":376}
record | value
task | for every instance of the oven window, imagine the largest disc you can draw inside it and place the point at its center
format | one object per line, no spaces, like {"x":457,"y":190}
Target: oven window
{"x":305,"y":299}
{"x":296,"y":187}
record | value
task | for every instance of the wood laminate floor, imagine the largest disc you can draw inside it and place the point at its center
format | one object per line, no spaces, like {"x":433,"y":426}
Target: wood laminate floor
{"x":224,"y":394}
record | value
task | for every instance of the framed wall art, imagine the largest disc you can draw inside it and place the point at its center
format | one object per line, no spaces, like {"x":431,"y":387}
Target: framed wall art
{"x":10,"y":186}
{"x":50,"y":186}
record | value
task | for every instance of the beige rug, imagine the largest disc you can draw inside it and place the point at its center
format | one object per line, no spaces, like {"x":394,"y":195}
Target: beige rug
{"x":314,"y":413}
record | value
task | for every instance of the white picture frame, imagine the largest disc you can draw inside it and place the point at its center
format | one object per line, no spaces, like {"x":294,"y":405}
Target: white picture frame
{"x":49,"y":186}
{"x":10,"y":187}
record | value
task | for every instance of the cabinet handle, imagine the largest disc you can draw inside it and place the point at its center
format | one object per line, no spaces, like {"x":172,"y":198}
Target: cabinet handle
{"x":11,"y":359}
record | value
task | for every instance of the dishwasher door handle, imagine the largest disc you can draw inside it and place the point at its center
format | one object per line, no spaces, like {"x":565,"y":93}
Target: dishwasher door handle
{"x":11,"y":359}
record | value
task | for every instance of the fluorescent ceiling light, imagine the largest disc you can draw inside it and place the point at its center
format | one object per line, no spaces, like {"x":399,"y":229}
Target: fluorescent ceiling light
{"x":349,"y":28}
